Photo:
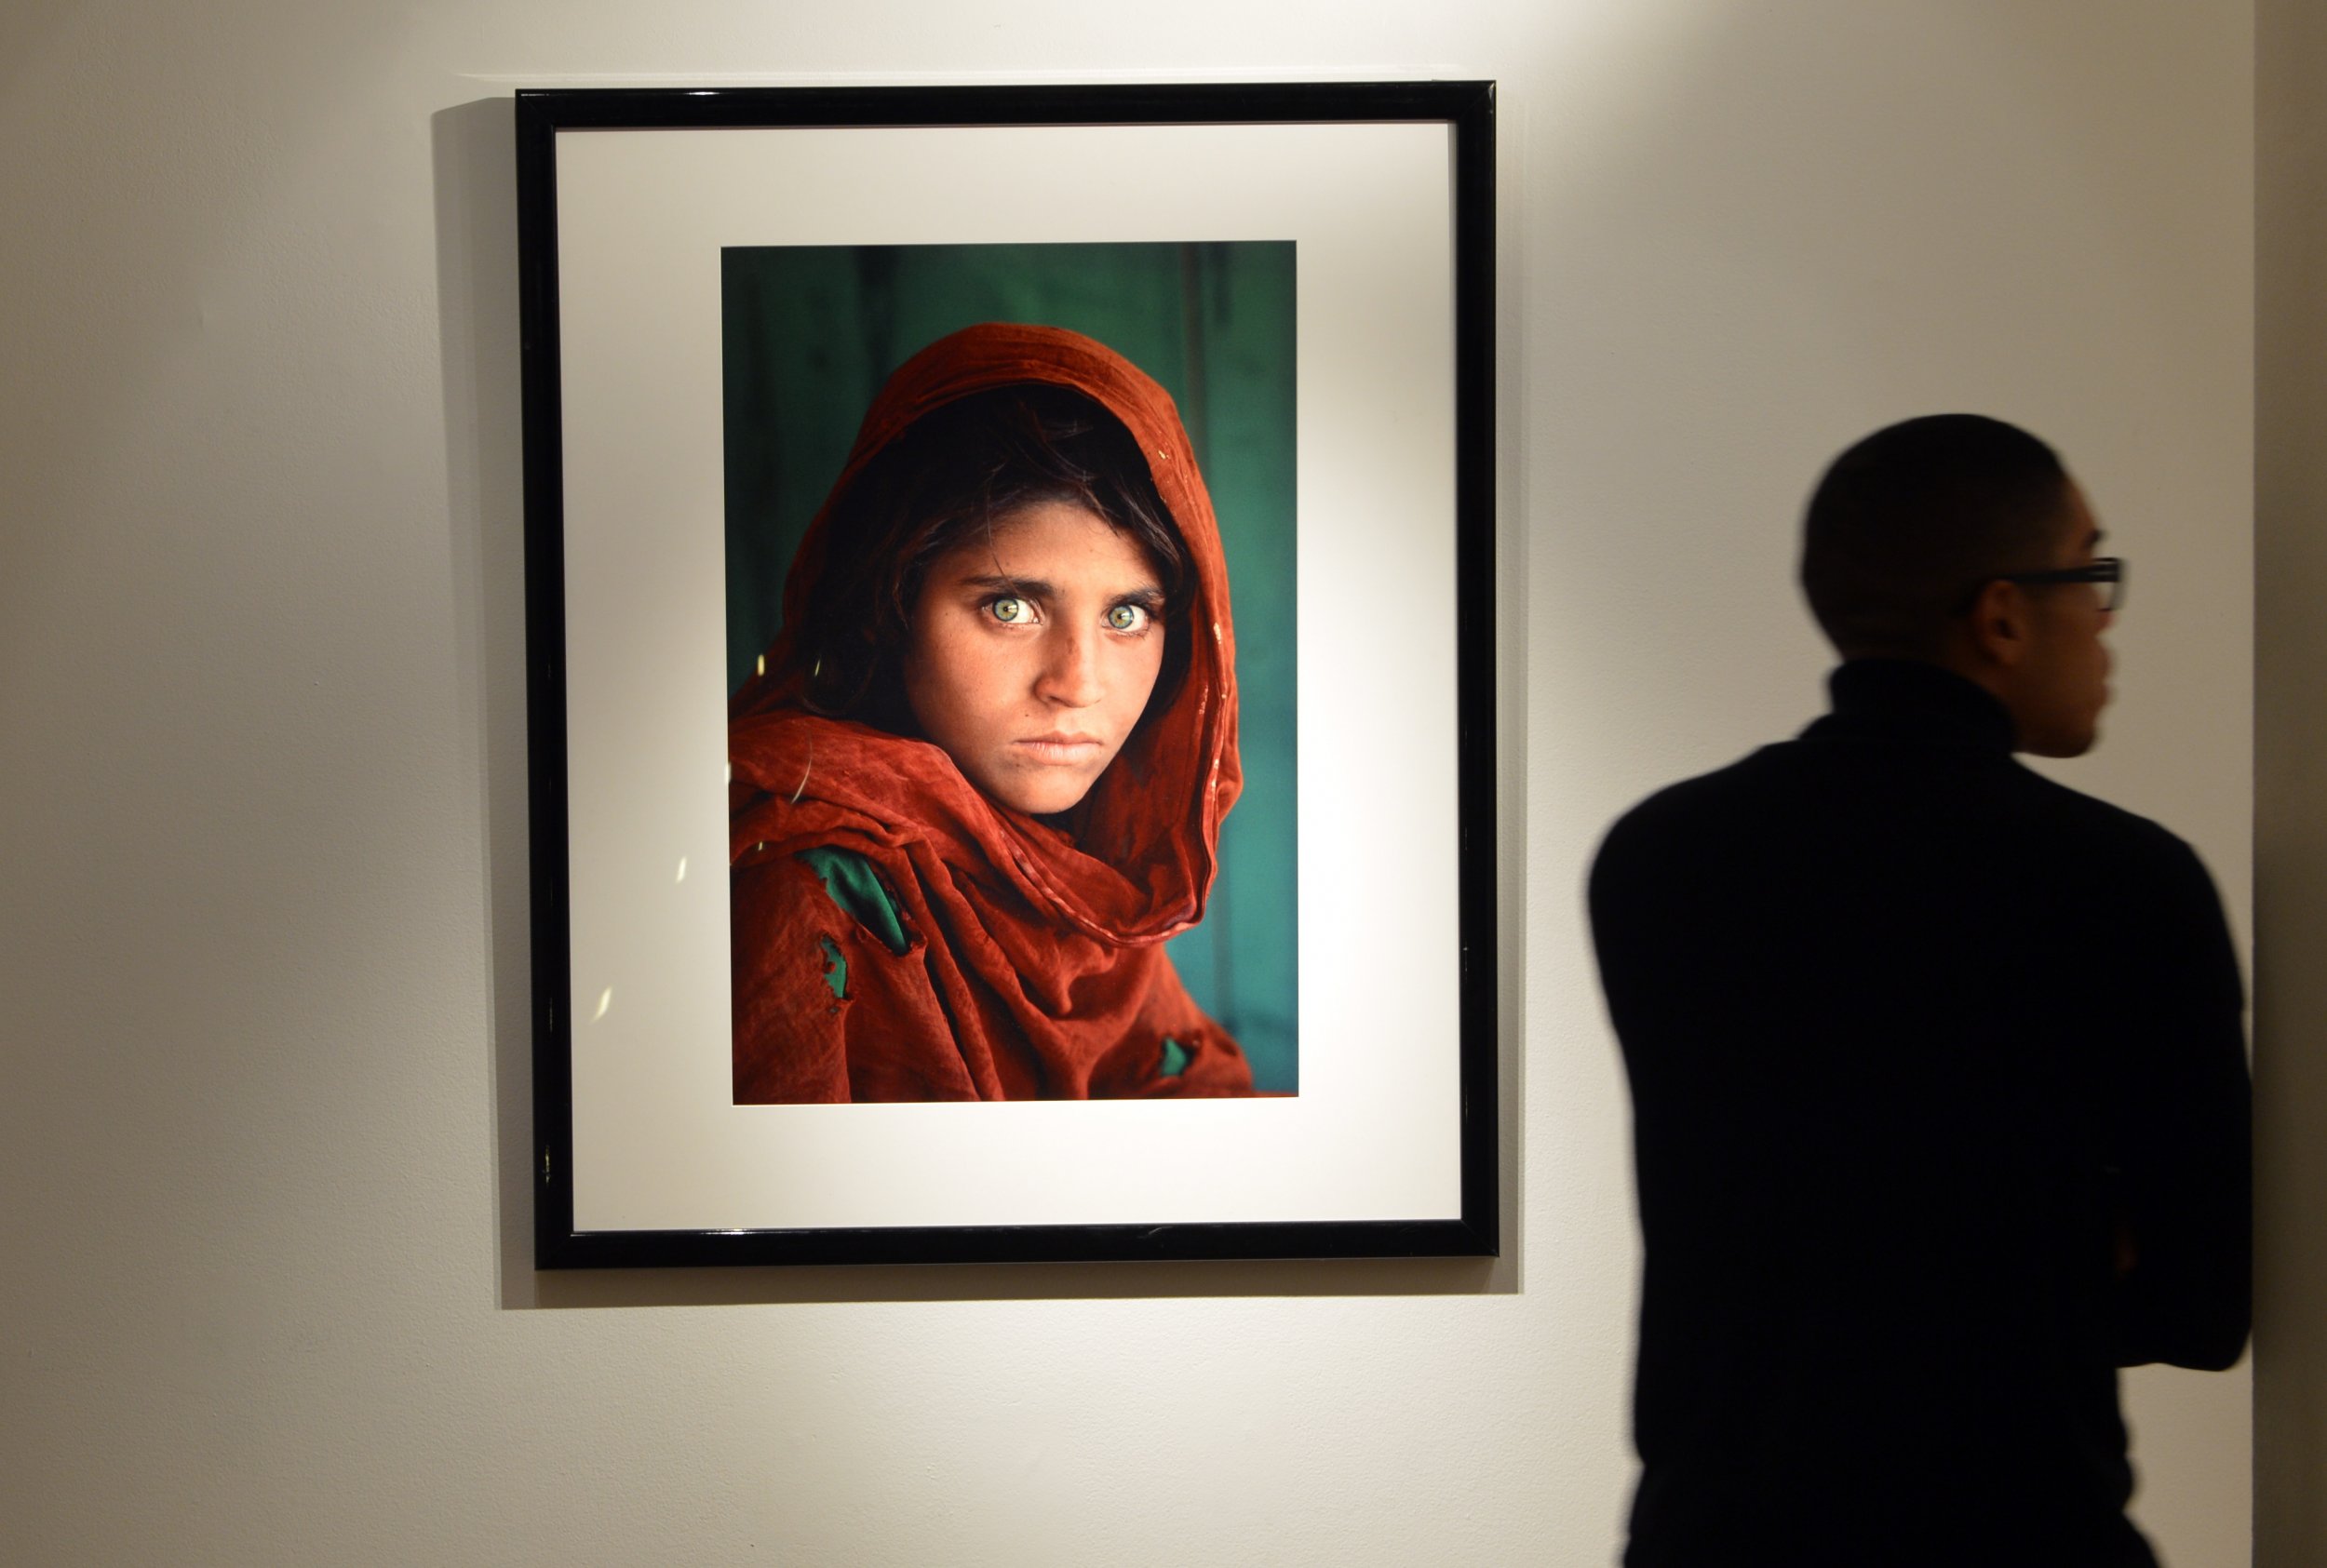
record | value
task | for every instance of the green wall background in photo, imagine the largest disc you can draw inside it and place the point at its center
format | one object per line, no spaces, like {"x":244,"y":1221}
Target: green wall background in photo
{"x":811,"y":332}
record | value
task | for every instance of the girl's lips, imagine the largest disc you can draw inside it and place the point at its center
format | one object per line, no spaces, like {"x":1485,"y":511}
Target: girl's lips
{"x":1059,"y":748}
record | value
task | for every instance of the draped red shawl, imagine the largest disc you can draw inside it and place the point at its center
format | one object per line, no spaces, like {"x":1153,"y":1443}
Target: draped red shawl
{"x":1033,"y":961}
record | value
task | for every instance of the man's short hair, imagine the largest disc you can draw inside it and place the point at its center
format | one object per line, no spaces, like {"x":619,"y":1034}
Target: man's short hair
{"x":1906,"y":525}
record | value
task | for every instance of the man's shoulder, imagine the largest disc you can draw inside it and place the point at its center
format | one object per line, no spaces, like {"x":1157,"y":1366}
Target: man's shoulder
{"x":1771,"y":783}
{"x":1709,"y":793}
{"x":1674,"y":826}
{"x":2102,"y":823}
{"x":1801,"y":785}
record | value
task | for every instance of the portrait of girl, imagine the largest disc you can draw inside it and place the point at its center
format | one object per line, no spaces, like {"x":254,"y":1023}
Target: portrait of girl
{"x":978,"y":776}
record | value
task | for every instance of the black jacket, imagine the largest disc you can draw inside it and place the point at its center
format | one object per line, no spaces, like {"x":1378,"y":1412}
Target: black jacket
{"x":1923,"y":1049}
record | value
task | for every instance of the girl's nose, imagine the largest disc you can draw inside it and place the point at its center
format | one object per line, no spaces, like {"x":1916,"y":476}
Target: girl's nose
{"x":1070,"y":669}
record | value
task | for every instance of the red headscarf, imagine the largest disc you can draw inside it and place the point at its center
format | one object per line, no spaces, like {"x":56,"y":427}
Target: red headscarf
{"x":1032,"y":961}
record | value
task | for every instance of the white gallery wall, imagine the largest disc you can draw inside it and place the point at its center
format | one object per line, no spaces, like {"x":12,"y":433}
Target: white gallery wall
{"x":263,"y":1043}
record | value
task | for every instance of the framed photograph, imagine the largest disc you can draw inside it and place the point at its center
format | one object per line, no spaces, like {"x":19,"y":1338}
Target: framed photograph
{"x":1009,"y":630}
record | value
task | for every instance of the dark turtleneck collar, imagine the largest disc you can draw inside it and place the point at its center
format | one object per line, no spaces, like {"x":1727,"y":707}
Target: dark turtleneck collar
{"x":1900,"y":699}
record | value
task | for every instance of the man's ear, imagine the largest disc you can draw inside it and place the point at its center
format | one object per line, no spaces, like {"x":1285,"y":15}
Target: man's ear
{"x":1999,"y":626}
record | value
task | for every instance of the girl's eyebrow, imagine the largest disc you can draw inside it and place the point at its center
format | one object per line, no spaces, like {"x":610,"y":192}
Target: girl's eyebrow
{"x":1043,"y":591}
{"x":1021,"y":587}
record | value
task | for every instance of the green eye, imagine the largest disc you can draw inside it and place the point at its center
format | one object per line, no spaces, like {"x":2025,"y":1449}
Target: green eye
{"x":1125,"y":617}
{"x":1008,"y":609}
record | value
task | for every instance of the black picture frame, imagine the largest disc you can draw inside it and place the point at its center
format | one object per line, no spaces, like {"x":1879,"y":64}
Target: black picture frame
{"x":1466,"y":1222}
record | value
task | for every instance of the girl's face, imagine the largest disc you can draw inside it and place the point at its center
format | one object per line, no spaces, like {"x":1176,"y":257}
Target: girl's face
{"x":1032,"y":654}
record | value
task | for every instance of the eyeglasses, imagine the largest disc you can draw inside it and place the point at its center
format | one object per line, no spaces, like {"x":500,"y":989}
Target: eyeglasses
{"x":2106,"y":573}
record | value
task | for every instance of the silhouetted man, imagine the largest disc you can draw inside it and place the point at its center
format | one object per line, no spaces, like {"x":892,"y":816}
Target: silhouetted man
{"x":1938,"y":1067}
